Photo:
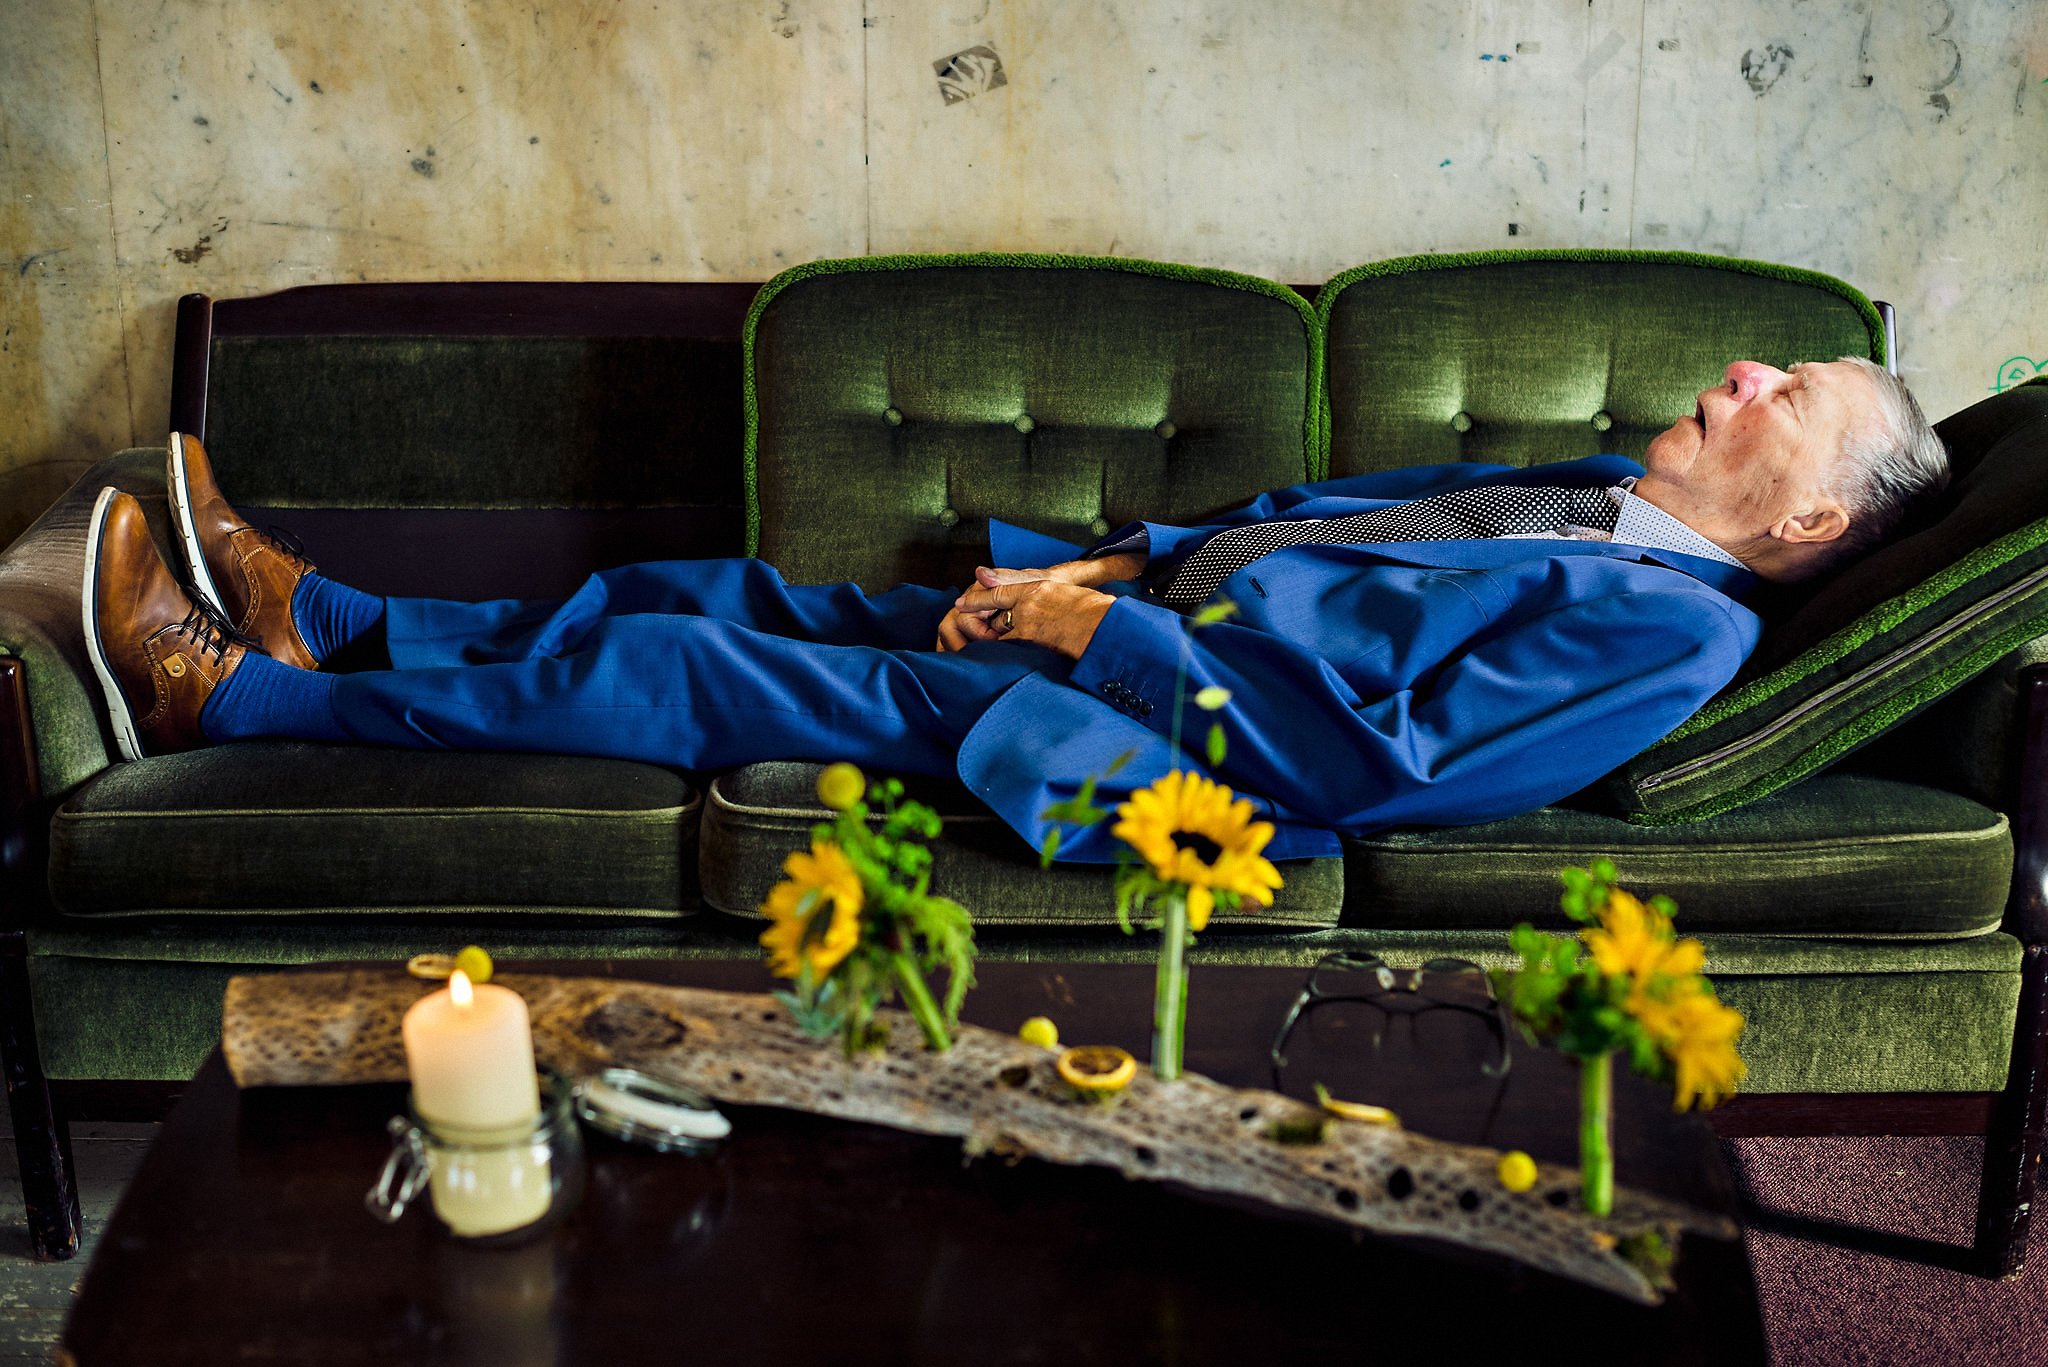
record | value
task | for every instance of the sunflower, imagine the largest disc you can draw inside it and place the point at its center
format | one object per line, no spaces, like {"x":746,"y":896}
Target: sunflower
{"x":1635,"y":941}
{"x":1697,"y":1033}
{"x":1190,"y":831}
{"x":814,"y":913}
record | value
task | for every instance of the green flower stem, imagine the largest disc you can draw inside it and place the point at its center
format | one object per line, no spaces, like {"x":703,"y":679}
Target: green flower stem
{"x":918,"y":998}
{"x":1170,"y":994}
{"x":1596,"y":1132}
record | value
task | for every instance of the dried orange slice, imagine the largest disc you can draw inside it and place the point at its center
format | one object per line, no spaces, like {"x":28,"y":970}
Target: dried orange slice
{"x":1356,"y":1110}
{"x":1096,"y":1068}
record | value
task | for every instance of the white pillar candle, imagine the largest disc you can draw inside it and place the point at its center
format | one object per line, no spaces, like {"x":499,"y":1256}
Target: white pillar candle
{"x":470,"y":1053}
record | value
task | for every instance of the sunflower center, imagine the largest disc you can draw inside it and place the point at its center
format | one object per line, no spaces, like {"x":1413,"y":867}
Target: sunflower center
{"x":1206,"y":850}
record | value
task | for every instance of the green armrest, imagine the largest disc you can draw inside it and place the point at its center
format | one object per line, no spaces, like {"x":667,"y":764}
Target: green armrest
{"x":42,"y":625}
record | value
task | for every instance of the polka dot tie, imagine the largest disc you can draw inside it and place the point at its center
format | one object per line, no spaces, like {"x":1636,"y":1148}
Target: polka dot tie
{"x":1464,"y":514}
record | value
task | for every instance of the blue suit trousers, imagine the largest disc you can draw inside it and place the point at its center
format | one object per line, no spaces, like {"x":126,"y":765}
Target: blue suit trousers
{"x":699,"y":664}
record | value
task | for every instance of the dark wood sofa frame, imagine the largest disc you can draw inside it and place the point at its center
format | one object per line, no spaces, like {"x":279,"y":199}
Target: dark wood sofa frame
{"x":2012,"y":1121}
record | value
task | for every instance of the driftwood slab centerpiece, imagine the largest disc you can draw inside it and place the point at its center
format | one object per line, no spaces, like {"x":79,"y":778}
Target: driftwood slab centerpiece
{"x":993,"y":1091}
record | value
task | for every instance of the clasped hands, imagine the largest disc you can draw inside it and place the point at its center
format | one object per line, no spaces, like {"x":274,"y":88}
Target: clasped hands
{"x":1058,"y":607}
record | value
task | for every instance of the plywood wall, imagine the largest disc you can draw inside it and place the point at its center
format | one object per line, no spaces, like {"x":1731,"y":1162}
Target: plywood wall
{"x":241,"y":146}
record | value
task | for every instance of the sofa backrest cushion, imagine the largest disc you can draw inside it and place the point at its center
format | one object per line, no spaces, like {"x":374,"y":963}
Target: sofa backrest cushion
{"x":1522,"y":358}
{"x":568,"y":395}
{"x":897,"y":403}
{"x":475,"y":439}
{"x":1966,"y":584}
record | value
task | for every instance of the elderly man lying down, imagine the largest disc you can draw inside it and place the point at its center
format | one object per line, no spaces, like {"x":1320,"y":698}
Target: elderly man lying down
{"x":1437,"y":645}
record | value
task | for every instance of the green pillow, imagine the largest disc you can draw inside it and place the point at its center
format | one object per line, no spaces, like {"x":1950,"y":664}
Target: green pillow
{"x":1966,"y":583}
{"x":1525,"y":357}
{"x":897,"y":403}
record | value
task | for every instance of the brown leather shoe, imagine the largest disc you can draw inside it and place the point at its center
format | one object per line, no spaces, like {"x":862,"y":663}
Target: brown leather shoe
{"x":159,"y":653}
{"x":248,"y":574}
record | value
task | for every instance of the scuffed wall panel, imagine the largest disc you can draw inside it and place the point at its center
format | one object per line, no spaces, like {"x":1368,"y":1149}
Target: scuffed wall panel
{"x":1903,"y":147}
{"x":241,"y":146}
{"x":252,"y":145}
{"x":599,"y":140}
{"x":63,"y":374}
{"x":1285,"y":140}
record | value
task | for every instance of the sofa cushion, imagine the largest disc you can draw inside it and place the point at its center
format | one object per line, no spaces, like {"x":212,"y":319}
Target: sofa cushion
{"x":1841,"y":854}
{"x":1966,"y":584}
{"x":1522,"y":358}
{"x":758,"y":814}
{"x":897,"y":403}
{"x":298,"y":828}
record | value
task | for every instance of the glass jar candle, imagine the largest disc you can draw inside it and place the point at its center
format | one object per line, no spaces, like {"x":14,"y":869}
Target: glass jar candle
{"x":487,"y":1186}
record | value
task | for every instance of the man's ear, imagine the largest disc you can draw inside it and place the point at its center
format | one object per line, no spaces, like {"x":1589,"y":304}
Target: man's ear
{"x":1824,"y":523}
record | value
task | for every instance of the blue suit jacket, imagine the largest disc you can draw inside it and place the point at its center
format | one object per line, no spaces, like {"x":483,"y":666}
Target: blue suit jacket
{"x":1404,"y":683}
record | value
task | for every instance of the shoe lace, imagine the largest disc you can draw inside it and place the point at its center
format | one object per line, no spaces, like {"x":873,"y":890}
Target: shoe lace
{"x":288,"y":544}
{"x":209,"y":629}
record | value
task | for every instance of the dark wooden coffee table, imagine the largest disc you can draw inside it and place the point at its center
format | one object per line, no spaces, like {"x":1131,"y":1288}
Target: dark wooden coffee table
{"x":803,"y":1240}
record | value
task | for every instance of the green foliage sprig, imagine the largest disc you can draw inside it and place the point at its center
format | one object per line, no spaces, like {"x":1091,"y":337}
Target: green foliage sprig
{"x":899,"y":932}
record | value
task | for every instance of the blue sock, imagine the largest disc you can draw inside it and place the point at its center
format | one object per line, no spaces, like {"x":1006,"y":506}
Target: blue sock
{"x":331,"y":615}
{"x":264,"y":698}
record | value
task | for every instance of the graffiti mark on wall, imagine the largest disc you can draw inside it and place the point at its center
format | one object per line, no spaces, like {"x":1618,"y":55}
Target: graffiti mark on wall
{"x":1762,"y":69}
{"x":975,"y":71}
{"x":2016,"y":371}
{"x":191,"y":255}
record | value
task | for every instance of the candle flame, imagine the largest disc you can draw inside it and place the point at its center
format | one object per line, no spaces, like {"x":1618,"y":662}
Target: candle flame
{"x":460,"y":990}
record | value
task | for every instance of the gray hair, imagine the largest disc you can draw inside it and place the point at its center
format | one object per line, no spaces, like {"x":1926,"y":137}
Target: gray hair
{"x":1886,"y":465}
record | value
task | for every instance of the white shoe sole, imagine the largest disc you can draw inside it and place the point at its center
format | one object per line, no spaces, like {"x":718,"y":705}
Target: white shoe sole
{"x":188,"y":531}
{"x":125,"y":735}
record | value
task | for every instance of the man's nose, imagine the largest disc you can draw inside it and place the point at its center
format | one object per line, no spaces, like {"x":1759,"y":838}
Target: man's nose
{"x":1751,"y":378}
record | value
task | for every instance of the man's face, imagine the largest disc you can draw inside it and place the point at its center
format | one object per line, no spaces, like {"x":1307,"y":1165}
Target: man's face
{"x":1759,"y":448}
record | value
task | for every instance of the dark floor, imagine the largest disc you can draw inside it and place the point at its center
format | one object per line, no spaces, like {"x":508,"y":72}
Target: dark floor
{"x":1850,"y":1238}
{"x":35,"y":1296}
{"x":1824,"y":1304}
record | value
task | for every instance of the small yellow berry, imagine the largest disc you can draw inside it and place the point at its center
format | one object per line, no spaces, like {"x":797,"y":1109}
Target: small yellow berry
{"x":1040,"y":1030}
{"x":1517,"y":1170}
{"x":474,"y":962}
{"x":840,"y":786}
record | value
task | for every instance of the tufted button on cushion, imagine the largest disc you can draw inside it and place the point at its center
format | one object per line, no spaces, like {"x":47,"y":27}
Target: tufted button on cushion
{"x":893,"y":416}
{"x":1165,"y":431}
{"x":949,"y":517}
{"x":1461,"y":421}
{"x":1024,"y":424}
{"x":1099,"y":527}
{"x":1602,"y":420}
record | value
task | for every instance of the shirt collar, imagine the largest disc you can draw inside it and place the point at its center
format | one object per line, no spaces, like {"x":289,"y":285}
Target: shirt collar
{"x":1642,"y":523}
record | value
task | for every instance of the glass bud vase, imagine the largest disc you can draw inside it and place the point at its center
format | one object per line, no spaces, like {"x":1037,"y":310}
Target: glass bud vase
{"x":1170,"y":990}
{"x":1596,"y":1132}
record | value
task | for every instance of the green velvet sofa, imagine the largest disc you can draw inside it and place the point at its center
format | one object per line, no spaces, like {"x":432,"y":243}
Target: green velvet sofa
{"x":1851,"y":828}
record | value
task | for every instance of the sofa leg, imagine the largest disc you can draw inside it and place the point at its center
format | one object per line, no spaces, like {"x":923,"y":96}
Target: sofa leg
{"x":2012,"y":1149}
{"x":42,"y":1140}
